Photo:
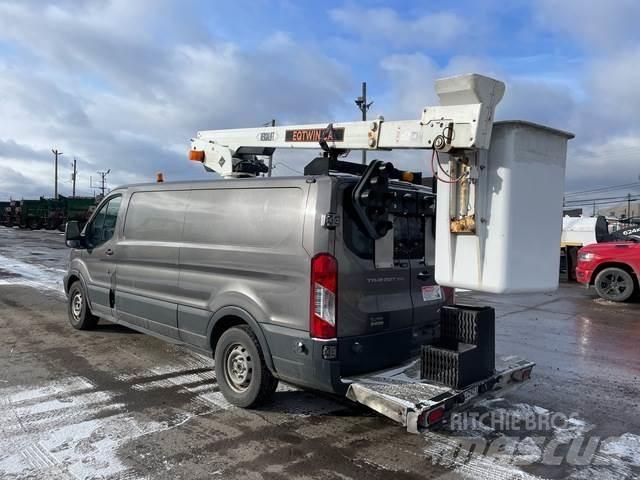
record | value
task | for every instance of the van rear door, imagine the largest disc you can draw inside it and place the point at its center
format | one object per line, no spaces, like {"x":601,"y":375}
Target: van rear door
{"x":426,"y":296}
{"x":375,"y":308}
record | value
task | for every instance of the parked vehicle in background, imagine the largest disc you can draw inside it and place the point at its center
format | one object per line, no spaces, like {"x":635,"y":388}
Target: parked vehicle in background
{"x":612,"y":268}
{"x":47,"y":213}
{"x":578,"y":232}
{"x":79,"y":209}
{"x":5,"y":208}
{"x":54,"y":215}
{"x":32,"y":214}
{"x":10,"y":214}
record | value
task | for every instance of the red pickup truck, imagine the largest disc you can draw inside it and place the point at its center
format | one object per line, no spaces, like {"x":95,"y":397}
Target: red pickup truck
{"x":613,"y":268}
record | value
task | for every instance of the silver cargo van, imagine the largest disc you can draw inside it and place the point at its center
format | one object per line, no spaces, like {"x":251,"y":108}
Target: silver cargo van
{"x":274,"y":277}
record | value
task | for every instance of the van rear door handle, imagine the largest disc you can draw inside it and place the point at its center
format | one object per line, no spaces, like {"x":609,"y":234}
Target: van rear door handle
{"x":424,"y":275}
{"x":108,"y":251}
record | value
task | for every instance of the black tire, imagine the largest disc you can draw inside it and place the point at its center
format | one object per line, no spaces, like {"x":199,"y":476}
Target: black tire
{"x":243,"y":377}
{"x":614,"y":284}
{"x":80,"y":317}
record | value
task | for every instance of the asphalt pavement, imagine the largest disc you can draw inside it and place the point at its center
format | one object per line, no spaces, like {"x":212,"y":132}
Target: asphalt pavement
{"x":113,"y":403}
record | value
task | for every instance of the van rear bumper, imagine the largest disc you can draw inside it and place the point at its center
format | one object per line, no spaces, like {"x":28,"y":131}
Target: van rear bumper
{"x":324,"y":363}
{"x":316,"y":371}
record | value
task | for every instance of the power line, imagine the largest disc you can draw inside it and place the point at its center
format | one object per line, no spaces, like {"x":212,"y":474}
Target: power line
{"x":589,"y":200}
{"x":605,"y":202}
{"x":102,"y":185}
{"x":287,"y":166}
{"x":598,"y":189}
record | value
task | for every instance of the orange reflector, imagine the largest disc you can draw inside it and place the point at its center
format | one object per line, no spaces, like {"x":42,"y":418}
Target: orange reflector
{"x":159,"y":177}
{"x":196,"y":155}
{"x":407,"y":177}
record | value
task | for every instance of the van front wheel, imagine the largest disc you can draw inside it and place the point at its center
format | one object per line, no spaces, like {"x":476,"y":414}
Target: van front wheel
{"x":80,"y":316}
{"x":243,"y":377}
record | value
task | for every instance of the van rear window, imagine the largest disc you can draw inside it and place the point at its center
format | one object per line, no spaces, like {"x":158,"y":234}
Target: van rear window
{"x":408,"y":234}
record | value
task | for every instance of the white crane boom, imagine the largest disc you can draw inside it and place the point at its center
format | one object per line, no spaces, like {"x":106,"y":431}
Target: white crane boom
{"x":485,"y":185}
{"x":462,"y":121}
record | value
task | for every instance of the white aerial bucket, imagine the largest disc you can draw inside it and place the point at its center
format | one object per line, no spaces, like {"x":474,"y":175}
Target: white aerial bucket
{"x":500,"y":232}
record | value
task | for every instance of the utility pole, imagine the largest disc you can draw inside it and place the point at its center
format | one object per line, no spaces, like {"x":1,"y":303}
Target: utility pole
{"x":102,"y":186}
{"x":363,"y":106}
{"x":628,"y":205}
{"x":273,"y":124}
{"x":56,"y":153}
{"x":73,"y":178}
{"x":102,"y":182}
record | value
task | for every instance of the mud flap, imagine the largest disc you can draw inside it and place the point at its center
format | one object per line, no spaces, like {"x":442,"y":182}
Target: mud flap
{"x":400,"y":395}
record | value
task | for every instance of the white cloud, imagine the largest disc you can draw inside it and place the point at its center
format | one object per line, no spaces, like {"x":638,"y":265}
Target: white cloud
{"x":603,"y":25}
{"x":607,"y":144}
{"x":101,"y":86}
{"x":614,"y":82}
{"x":124,"y":85}
{"x":437,"y":29}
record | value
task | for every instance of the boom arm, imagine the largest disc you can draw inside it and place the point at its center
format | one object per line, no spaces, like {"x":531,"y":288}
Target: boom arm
{"x":462,"y":121}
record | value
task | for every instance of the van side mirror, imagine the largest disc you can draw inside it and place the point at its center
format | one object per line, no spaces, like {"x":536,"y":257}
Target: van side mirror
{"x":72,"y":236}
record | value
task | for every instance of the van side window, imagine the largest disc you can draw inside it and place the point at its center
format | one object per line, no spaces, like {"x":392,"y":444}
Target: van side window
{"x":103,"y":225}
{"x":156,"y":216}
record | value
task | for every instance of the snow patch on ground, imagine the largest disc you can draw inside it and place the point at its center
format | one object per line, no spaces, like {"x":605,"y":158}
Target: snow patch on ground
{"x":626,"y":447}
{"x":479,"y":450}
{"x":73,"y":429}
{"x":32,"y":275}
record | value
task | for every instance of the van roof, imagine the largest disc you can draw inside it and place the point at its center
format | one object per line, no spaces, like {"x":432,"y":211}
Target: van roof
{"x":185,"y":184}
{"x":249,"y":181}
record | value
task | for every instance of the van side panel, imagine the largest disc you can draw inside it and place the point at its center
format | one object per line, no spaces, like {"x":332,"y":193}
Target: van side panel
{"x":147,"y":272}
{"x":296,"y":357}
{"x":242,"y":246}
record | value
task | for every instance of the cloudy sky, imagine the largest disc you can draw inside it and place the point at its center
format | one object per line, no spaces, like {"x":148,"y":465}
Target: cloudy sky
{"x":124,"y":84}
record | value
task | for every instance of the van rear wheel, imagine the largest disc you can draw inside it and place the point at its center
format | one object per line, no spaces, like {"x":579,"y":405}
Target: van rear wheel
{"x":243,"y":377}
{"x":80,"y":317}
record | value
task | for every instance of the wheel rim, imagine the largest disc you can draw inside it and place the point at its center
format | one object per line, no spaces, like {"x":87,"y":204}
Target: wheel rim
{"x":238,"y":367}
{"x":613,"y":285}
{"x":76,"y":306}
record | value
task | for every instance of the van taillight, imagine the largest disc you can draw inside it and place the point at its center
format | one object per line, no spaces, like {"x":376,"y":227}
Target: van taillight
{"x":324,"y":290}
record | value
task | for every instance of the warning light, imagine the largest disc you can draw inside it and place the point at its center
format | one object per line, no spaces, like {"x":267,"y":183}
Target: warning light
{"x":159,"y":177}
{"x":196,"y":155}
{"x":407,"y":177}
